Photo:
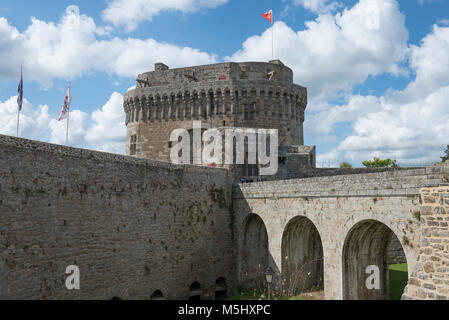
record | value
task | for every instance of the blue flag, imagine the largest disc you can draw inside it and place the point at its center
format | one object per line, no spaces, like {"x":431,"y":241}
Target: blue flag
{"x":20,"y":92}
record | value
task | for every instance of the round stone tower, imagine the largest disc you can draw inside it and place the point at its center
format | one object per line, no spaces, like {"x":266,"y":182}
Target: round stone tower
{"x":249,"y":94}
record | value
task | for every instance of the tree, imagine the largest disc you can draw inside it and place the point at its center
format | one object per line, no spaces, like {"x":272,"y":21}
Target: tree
{"x":380,"y":163}
{"x":345,"y":164}
{"x":446,"y":154}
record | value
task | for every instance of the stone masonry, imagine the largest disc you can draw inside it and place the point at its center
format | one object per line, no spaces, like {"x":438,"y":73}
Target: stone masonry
{"x":132,"y":226}
{"x":429,"y":279}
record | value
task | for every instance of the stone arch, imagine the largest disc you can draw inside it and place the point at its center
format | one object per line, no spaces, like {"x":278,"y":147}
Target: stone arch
{"x":366,"y":244}
{"x":254,"y":253}
{"x":136,"y":109}
{"x":158,"y":107}
{"x":202,"y":100}
{"x":151,"y":107}
{"x":221,"y":288}
{"x":195,"y":291}
{"x":302,"y":256}
{"x":144,"y":109}
{"x":157,"y":295}
{"x":131,"y":109}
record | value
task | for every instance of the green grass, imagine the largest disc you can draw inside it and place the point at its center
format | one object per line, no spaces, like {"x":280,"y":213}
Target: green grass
{"x":398,"y":280}
{"x":248,"y":295}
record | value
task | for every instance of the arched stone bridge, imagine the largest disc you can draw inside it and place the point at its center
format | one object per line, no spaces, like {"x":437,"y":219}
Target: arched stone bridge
{"x":331,"y":228}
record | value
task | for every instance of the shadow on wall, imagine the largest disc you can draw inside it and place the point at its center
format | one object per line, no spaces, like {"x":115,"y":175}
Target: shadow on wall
{"x":302,"y":257}
{"x":254,"y":255}
{"x":4,"y":285}
{"x":366,"y":245}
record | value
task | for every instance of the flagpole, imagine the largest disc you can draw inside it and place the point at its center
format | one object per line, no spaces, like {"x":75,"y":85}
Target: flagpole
{"x":18,"y":117}
{"x":67,"y":132}
{"x":272,"y":35}
{"x":68,"y":115}
{"x":18,"y":108}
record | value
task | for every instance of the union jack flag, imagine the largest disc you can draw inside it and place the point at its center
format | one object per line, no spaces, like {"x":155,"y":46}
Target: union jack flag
{"x":66,"y":106}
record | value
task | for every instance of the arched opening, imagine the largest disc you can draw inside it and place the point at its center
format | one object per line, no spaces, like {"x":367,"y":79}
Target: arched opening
{"x":116,"y":298}
{"x":195,"y":291}
{"x":254,"y":252}
{"x":157,"y":295}
{"x":221,"y":289}
{"x":398,"y":268}
{"x":370,"y":256}
{"x":302,"y":257}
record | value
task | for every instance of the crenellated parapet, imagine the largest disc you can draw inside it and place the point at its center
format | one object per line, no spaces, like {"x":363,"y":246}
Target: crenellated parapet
{"x":151,"y":104}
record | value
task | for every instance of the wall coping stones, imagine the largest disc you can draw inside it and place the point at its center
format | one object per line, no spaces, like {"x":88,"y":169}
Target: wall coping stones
{"x":34,"y":146}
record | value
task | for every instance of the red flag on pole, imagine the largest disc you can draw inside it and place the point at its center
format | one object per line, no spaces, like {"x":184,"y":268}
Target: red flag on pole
{"x":268,"y":15}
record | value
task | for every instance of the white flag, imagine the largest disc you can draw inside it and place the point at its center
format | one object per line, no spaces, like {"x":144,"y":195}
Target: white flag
{"x":66,"y":106}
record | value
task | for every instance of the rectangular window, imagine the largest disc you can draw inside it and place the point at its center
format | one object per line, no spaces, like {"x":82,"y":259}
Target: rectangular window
{"x":133,"y":145}
{"x":250,"y":110}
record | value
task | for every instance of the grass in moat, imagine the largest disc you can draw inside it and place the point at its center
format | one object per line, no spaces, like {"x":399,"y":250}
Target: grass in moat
{"x":398,"y":280}
{"x":260,"y":294}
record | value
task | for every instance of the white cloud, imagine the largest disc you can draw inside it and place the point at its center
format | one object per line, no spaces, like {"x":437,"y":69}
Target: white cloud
{"x":103,"y":130}
{"x":33,"y":121}
{"x":332,"y":55}
{"x":412,"y":125}
{"x":318,"y":6}
{"x":130,"y":13}
{"x":108,"y":132}
{"x":322,"y":122}
{"x":430,"y":62}
{"x":73,"y":47}
{"x":77,"y":129}
{"x":336,"y":52}
{"x":10,"y":50}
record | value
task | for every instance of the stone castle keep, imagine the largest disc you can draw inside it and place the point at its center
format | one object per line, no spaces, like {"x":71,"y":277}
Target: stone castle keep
{"x":139,"y":227}
{"x":225,"y":95}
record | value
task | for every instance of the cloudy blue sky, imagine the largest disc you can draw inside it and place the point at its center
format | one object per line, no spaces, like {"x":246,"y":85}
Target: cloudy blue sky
{"x":377,"y":71}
